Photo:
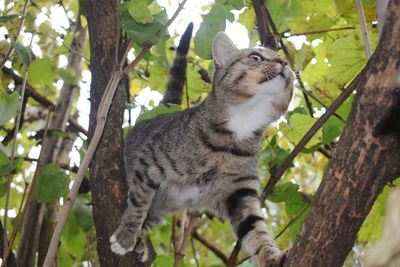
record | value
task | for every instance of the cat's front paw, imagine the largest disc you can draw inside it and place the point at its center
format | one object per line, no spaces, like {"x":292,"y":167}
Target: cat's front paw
{"x":122,"y":241}
{"x":268,"y":259}
{"x":141,"y":250}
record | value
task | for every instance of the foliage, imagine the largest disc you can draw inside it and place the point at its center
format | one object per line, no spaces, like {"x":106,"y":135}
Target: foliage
{"x":327,"y":62}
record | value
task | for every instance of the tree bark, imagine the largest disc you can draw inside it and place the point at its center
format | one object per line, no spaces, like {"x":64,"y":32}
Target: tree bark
{"x":107,"y":173}
{"x":365,"y":159}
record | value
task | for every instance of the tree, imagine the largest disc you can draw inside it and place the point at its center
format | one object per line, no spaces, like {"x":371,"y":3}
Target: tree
{"x":330,"y":64}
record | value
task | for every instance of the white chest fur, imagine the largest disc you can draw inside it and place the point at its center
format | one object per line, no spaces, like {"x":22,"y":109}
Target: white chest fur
{"x":258,"y":111}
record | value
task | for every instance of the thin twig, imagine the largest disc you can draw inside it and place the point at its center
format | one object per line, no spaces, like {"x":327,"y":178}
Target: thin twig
{"x":178,"y":10}
{"x":102,"y":112}
{"x":173,"y":233}
{"x":42,"y":100}
{"x":11,"y":161}
{"x":69,"y":49}
{"x":146,"y":48}
{"x":276,"y":175}
{"x":11,"y":50}
{"x":310,"y":94}
{"x":194,"y":252}
{"x":101,"y":121}
{"x":21,"y":214}
{"x":211,"y":247}
{"x":292,"y":220}
{"x":364,"y":30}
{"x":232,"y":261}
{"x":184,"y":238}
{"x":318,"y":31}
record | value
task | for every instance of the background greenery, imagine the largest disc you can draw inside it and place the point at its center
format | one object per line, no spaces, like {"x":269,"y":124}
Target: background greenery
{"x":327,"y":55}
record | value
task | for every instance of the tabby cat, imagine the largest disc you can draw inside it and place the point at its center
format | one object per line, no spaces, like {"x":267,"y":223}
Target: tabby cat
{"x":206,"y":157}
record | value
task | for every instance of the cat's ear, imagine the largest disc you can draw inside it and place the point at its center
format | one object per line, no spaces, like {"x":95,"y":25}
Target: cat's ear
{"x":223,"y":49}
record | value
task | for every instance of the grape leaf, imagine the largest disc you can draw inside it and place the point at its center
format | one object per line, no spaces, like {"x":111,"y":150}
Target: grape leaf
{"x":8,"y":106}
{"x":212,"y":23}
{"x":53,"y":184}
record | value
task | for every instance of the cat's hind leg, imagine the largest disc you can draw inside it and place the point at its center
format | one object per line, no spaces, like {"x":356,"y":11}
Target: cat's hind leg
{"x":154,"y":216}
{"x":139,"y":200}
{"x":243,"y":207}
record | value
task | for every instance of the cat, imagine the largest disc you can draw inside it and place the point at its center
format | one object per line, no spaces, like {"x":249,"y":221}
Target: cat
{"x":206,"y":157}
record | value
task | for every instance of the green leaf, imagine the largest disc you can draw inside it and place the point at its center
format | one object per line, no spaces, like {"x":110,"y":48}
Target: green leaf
{"x":298,"y":127}
{"x":83,"y":214}
{"x":283,"y":11}
{"x":73,"y":237}
{"x":53,"y":184}
{"x":139,"y":11}
{"x":142,"y":33}
{"x":237,"y":4}
{"x":23,"y":52}
{"x":58,"y":134}
{"x":286,"y":192}
{"x":63,"y":256}
{"x":157,"y":111}
{"x":212,"y":23}
{"x":247,"y":18}
{"x":42,"y":72}
{"x":8,"y":106}
{"x":329,"y":133}
{"x":164,"y":260}
{"x":274,"y":153}
{"x":68,"y":76}
{"x":299,"y":212}
{"x":347,"y":57}
{"x":303,"y":56}
{"x":3,"y":187}
{"x":7,"y":18}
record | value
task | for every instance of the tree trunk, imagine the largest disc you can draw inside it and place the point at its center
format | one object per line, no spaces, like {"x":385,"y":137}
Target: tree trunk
{"x":107,"y":173}
{"x":365,"y":159}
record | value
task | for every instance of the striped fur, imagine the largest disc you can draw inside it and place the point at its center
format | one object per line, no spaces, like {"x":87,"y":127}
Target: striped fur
{"x":206,"y":158}
{"x":177,"y":74}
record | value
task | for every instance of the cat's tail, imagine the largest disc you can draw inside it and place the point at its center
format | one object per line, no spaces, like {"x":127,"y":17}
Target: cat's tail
{"x":177,"y":73}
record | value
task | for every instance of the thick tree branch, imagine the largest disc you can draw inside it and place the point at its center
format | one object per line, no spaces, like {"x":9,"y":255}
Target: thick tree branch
{"x":365,"y":159}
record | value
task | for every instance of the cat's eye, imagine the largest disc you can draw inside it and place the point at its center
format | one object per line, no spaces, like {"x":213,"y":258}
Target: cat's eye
{"x":255,"y":58}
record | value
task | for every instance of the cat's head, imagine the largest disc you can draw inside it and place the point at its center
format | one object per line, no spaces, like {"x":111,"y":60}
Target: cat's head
{"x":247,"y":73}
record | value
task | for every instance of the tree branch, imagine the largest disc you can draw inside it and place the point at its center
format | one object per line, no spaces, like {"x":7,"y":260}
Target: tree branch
{"x":11,"y":164}
{"x":266,"y":36}
{"x":364,"y":29}
{"x":364,"y":161}
{"x":318,"y":31}
{"x":211,"y":247}
{"x":147,"y":47}
{"x":276,"y":175}
{"x":42,"y":100}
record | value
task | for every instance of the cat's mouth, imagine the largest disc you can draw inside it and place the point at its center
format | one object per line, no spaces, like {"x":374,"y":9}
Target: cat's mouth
{"x":271,"y":77}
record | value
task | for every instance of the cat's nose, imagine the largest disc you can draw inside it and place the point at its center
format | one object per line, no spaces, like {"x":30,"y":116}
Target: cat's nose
{"x":281,"y":61}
